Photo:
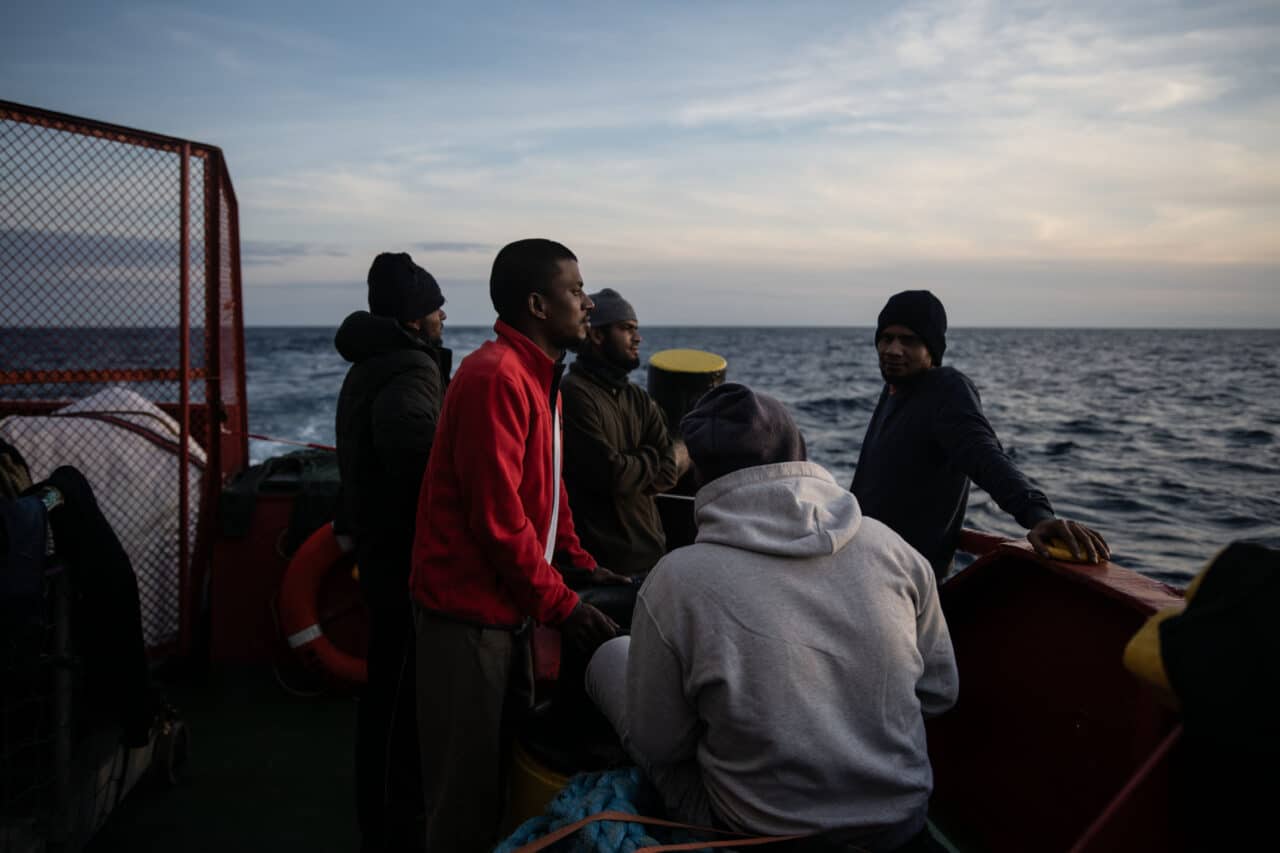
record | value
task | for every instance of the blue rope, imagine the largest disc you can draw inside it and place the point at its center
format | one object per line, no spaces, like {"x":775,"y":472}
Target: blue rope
{"x":623,"y":790}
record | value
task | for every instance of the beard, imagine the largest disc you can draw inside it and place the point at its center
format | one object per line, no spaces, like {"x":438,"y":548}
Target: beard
{"x":573,"y":345}
{"x":901,"y":378}
{"x":620,"y":358}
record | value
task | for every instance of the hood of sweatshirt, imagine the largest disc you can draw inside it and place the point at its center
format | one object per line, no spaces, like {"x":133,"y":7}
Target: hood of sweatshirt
{"x":363,"y":335}
{"x":789,"y":509}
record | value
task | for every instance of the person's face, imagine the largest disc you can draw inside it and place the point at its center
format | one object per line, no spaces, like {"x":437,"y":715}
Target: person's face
{"x":431,"y":327}
{"x":903,"y":356}
{"x":564,"y":307}
{"x":619,"y":343}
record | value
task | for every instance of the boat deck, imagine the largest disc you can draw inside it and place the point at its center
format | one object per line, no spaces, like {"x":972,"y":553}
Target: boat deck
{"x":267,"y":771}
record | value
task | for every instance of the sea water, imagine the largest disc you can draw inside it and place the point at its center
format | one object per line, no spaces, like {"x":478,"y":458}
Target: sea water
{"x":1166,"y":441}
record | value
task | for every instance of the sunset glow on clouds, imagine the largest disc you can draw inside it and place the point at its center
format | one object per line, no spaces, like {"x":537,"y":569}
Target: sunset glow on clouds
{"x":1033,"y":163}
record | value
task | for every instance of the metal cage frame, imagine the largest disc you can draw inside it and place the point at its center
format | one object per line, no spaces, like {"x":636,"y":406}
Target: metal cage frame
{"x":80,"y":196}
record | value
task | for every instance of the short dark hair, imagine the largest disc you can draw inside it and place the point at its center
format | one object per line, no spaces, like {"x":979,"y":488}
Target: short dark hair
{"x":521,"y":268}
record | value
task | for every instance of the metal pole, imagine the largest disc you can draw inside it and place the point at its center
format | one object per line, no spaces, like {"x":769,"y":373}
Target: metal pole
{"x":184,"y":393}
{"x":242,"y":403}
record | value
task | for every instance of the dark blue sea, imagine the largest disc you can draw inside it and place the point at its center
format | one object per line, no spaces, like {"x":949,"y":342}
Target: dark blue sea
{"x":1167,"y":441}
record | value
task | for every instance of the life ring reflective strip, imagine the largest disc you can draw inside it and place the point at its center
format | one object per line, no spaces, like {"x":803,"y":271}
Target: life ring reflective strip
{"x":306,"y":635}
{"x":322,"y":553}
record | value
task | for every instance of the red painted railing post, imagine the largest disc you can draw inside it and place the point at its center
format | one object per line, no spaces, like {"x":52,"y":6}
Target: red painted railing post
{"x":184,"y":407}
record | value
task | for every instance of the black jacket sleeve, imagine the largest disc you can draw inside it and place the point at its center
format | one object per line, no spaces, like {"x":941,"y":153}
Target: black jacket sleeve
{"x":971,"y":445}
{"x":405,"y":414}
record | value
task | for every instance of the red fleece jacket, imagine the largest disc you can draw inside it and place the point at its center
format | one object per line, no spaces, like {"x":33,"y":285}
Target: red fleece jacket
{"x":486,"y":500}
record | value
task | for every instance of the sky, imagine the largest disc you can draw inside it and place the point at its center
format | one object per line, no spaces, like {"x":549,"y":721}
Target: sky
{"x":1034,"y":164}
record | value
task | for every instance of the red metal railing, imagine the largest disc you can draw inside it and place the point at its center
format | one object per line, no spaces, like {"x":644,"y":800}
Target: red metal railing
{"x":120,"y":269}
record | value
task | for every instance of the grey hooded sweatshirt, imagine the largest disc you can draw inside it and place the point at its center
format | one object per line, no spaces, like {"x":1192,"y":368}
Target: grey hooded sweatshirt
{"x":793,"y":652}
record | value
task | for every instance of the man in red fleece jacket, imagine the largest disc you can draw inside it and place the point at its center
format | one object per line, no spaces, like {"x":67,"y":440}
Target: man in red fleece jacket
{"x":493,"y":517}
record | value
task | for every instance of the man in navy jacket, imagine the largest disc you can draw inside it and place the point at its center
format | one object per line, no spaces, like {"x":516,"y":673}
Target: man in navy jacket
{"x":928,"y":438}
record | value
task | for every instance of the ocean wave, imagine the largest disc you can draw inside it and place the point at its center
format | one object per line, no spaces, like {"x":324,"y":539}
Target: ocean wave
{"x":1249,"y":437}
{"x":1061,"y":448}
{"x":1090,"y":426}
{"x":1169,"y":463}
{"x":1226,"y":464}
{"x":832,"y":407}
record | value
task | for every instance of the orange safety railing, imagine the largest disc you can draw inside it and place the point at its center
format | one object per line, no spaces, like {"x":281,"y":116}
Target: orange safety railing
{"x":120,"y":268}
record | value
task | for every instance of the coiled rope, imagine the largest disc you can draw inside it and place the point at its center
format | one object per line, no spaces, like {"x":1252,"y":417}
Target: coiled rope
{"x":621,"y":790}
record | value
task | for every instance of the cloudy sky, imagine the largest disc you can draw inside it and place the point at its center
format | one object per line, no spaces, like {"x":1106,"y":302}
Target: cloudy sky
{"x":1076,"y":163}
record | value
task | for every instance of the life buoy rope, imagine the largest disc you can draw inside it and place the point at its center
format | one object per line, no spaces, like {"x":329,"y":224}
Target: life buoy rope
{"x":323,"y":553}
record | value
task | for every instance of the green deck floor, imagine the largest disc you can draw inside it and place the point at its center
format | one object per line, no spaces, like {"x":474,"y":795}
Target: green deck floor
{"x":267,"y":771}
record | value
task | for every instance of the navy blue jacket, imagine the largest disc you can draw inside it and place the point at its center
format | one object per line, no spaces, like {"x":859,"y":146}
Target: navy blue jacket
{"x":926,"y":441}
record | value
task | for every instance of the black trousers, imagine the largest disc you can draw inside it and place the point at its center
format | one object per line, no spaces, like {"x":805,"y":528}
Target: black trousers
{"x":389,"y":804}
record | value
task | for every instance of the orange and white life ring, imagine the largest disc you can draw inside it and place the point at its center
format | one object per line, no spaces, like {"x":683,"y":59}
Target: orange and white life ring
{"x":324,"y":552}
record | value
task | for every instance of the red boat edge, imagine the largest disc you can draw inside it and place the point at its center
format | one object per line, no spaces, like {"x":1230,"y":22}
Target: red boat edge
{"x":1053,"y":744}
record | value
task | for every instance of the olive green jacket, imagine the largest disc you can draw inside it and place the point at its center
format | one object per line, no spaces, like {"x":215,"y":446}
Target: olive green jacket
{"x":617,"y":456}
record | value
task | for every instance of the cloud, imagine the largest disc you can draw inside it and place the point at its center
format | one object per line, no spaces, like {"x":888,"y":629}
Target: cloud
{"x":975,"y":60}
{"x":212,"y":35}
{"x":456,"y":246}
{"x":1066,"y":128}
{"x":817,"y":140}
{"x":941,"y":131}
{"x":56,"y":253}
{"x":270,"y":252}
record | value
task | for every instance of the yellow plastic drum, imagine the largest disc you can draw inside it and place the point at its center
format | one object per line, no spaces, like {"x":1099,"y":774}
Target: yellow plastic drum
{"x":532,"y":785}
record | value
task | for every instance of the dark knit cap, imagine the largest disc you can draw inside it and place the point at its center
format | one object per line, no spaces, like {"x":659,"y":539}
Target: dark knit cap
{"x":401,"y":289}
{"x":921,"y":312}
{"x":610,"y":308}
{"x":733,"y":427}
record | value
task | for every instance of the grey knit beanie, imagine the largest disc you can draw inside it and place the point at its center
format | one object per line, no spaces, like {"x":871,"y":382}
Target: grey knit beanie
{"x":610,"y":308}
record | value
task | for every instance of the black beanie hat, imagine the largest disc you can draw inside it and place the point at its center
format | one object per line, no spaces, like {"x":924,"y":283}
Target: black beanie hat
{"x":733,"y":427}
{"x":921,"y":312}
{"x":401,"y":289}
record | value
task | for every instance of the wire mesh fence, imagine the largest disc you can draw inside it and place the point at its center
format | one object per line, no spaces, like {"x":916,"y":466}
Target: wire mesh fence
{"x":121,"y":344}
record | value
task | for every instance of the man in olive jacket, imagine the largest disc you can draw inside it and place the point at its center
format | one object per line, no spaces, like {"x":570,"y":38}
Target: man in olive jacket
{"x":387,"y":413}
{"x":618,"y":453}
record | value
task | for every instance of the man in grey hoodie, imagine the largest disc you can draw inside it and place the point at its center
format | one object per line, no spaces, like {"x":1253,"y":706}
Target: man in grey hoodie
{"x":779,"y":669}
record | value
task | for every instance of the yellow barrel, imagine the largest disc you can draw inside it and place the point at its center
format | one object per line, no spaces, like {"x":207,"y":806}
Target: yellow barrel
{"x":679,"y":377}
{"x":688,"y":361}
{"x":531,"y":786}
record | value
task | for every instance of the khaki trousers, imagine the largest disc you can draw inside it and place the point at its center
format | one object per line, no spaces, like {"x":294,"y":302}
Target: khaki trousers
{"x":473,"y":683}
